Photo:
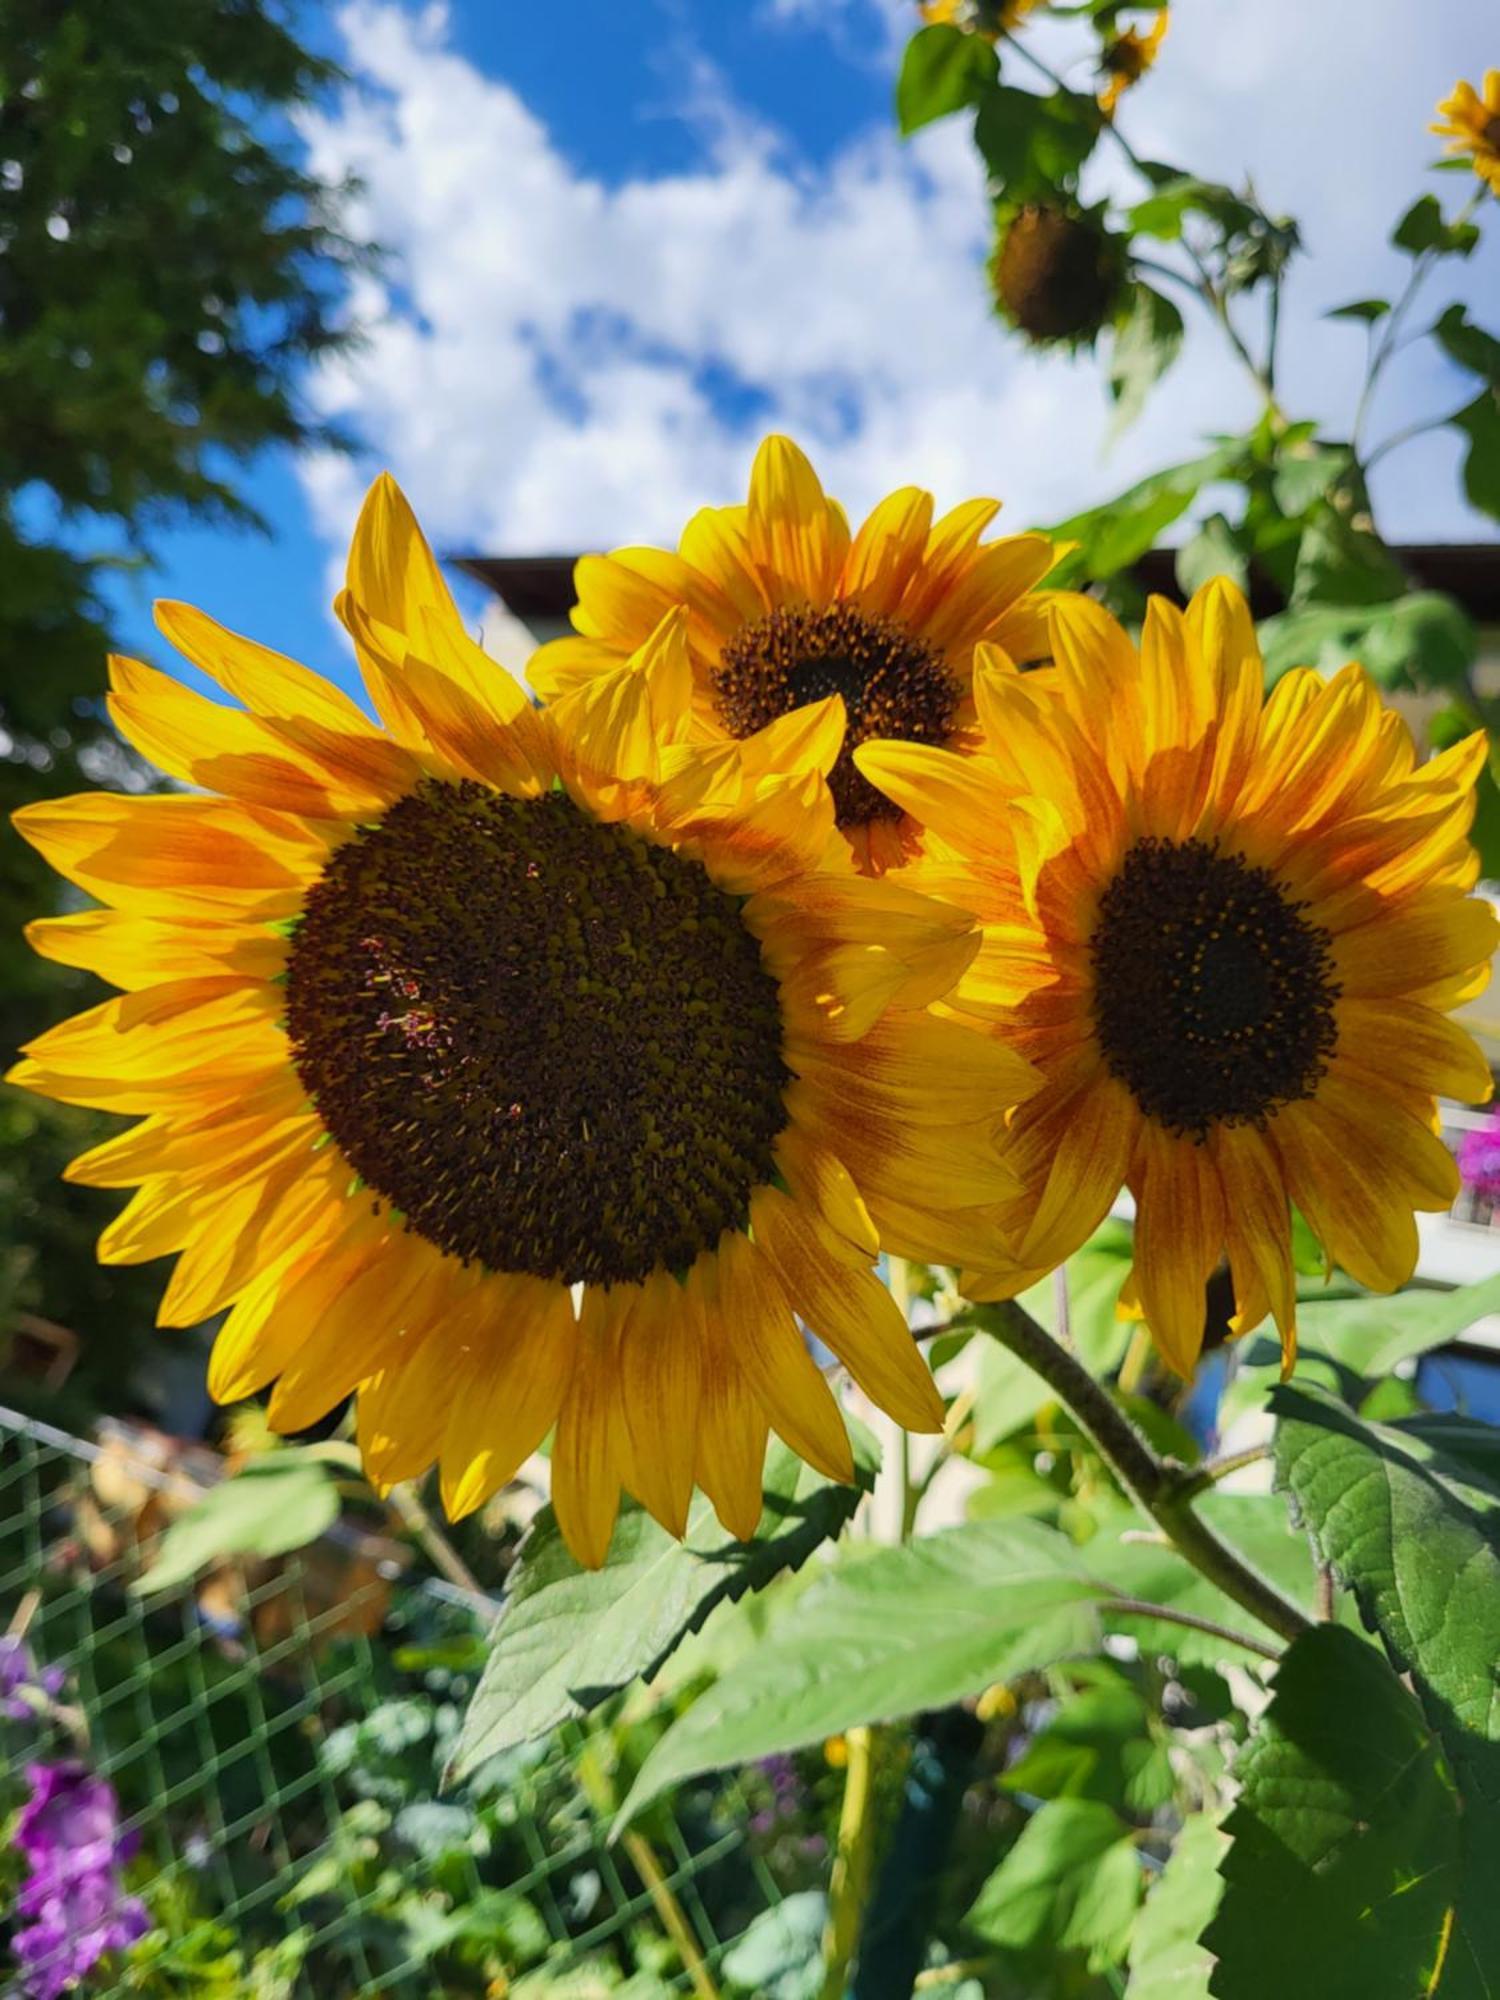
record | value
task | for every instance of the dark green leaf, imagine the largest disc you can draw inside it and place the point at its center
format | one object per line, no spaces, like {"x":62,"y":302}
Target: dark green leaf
{"x":1167,"y":1962}
{"x":279,"y":1502}
{"x":1034,"y":146}
{"x":1072,"y":1882}
{"x":1413,"y":1530}
{"x":1341,"y":564}
{"x":568,"y":1638}
{"x":1422,"y":229}
{"x":1480,"y":423}
{"x":1344,"y":1855}
{"x":1469,"y":345}
{"x":1147,"y":341}
{"x":885,"y":1635}
{"x":1365,"y":309}
{"x":1098,"y":1744}
{"x":942,"y":71}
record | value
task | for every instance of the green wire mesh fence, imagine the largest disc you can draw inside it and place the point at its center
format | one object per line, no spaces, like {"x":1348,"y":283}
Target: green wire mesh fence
{"x":275,"y":1733}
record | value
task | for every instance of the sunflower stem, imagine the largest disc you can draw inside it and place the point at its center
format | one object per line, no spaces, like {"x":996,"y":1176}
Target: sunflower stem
{"x":850,"y":1881}
{"x":1161,"y":1490}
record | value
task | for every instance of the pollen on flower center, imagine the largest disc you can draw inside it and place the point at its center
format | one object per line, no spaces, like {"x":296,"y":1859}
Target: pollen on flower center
{"x":893,"y":685}
{"x":549,"y":1044}
{"x":1213,"y":994}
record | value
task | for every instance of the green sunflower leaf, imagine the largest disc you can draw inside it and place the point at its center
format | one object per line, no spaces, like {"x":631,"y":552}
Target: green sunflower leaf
{"x":1034,"y":146}
{"x":1344,"y":1864}
{"x":278,"y":1502}
{"x":1072,"y":1882}
{"x":1408,"y":1517}
{"x":1167,"y":1961}
{"x":943,"y":70}
{"x":1423,"y":229}
{"x":1480,"y":423}
{"x":884,"y":1635}
{"x":1469,"y":345}
{"x":568,"y":1638}
{"x":1148,"y":339}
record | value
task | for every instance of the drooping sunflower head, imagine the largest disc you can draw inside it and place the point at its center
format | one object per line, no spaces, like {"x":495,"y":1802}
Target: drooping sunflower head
{"x":1227,"y":930}
{"x":1057,"y":272}
{"x":1470,"y":122}
{"x":518,"y":1072}
{"x":795,"y":626}
{"x":1126,"y":57}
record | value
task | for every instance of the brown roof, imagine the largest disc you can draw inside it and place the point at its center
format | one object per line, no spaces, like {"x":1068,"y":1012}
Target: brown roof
{"x":541,"y":587}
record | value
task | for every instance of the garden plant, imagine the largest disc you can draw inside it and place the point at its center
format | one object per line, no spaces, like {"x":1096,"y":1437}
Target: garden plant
{"x":899,"y":1088}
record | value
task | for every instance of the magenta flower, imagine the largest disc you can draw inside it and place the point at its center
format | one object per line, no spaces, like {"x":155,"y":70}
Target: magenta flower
{"x":25,"y":1688}
{"x":1479,"y":1158}
{"x":69,"y":1832}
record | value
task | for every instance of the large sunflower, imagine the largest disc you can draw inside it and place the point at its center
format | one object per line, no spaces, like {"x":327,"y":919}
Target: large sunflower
{"x":519,"y":1071}
{"x":787,"y":611}
{"x":1226,"y":930}
{"x":1470,"y":121}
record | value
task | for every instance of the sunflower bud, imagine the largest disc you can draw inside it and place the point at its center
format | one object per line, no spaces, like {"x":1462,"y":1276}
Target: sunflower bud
{"x":1056,"y":273}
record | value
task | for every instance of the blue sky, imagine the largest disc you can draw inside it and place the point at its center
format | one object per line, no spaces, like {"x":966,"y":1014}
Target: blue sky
{"x":627,"y":235}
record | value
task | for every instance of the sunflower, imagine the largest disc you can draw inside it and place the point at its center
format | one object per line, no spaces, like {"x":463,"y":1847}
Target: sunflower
{"x":788,"y":615}
{"x":1470,"y":121}
{"x":522,"y":1073}
{"x":1226,"y":929}
{"x":989,"y":18}
{"x":1057,"y":273}
{"x":1125,"y":59}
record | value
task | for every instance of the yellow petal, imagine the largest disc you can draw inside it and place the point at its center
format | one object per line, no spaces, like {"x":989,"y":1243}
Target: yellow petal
{"x":776,"y":1363}
{"x":589,"y":1452}
{"x":796,"y":536}
{"x":506,"y":1391}
{"x":1179,"y":1237}
{"x":661,"y":1364}
{"x":850,"y":1311}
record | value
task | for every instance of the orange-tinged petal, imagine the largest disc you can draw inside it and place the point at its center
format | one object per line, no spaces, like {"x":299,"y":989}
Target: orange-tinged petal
{"x":1179,"y":1237}
{"x":776,"y":1363}
{"x":849,"y":1310}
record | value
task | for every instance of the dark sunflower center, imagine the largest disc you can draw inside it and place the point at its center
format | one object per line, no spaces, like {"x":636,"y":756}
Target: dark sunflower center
{"x":1213,"y":995}
{"x":550,"y":1045}
{"x":1492,"y":133}
{"x":892,"y":684}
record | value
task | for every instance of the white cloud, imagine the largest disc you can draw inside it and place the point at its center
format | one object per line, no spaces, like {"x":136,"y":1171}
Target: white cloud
{"x":546,"y":366}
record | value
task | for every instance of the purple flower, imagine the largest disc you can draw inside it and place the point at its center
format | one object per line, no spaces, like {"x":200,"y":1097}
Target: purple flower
{"x":20,"y":1677}
{"x":1479,"y":1158}
{"x":69,"y":1832}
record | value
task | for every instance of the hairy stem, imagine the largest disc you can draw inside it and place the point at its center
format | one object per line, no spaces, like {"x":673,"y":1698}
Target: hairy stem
{"x":1138,"y":1607}
{"x":1159,"y":1489}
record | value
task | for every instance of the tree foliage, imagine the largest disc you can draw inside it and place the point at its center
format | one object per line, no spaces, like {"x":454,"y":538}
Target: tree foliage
{"x":167,"y":269}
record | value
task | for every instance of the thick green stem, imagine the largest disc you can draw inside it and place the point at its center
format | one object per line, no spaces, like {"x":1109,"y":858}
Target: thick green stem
{"x":1159,"y":1489}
